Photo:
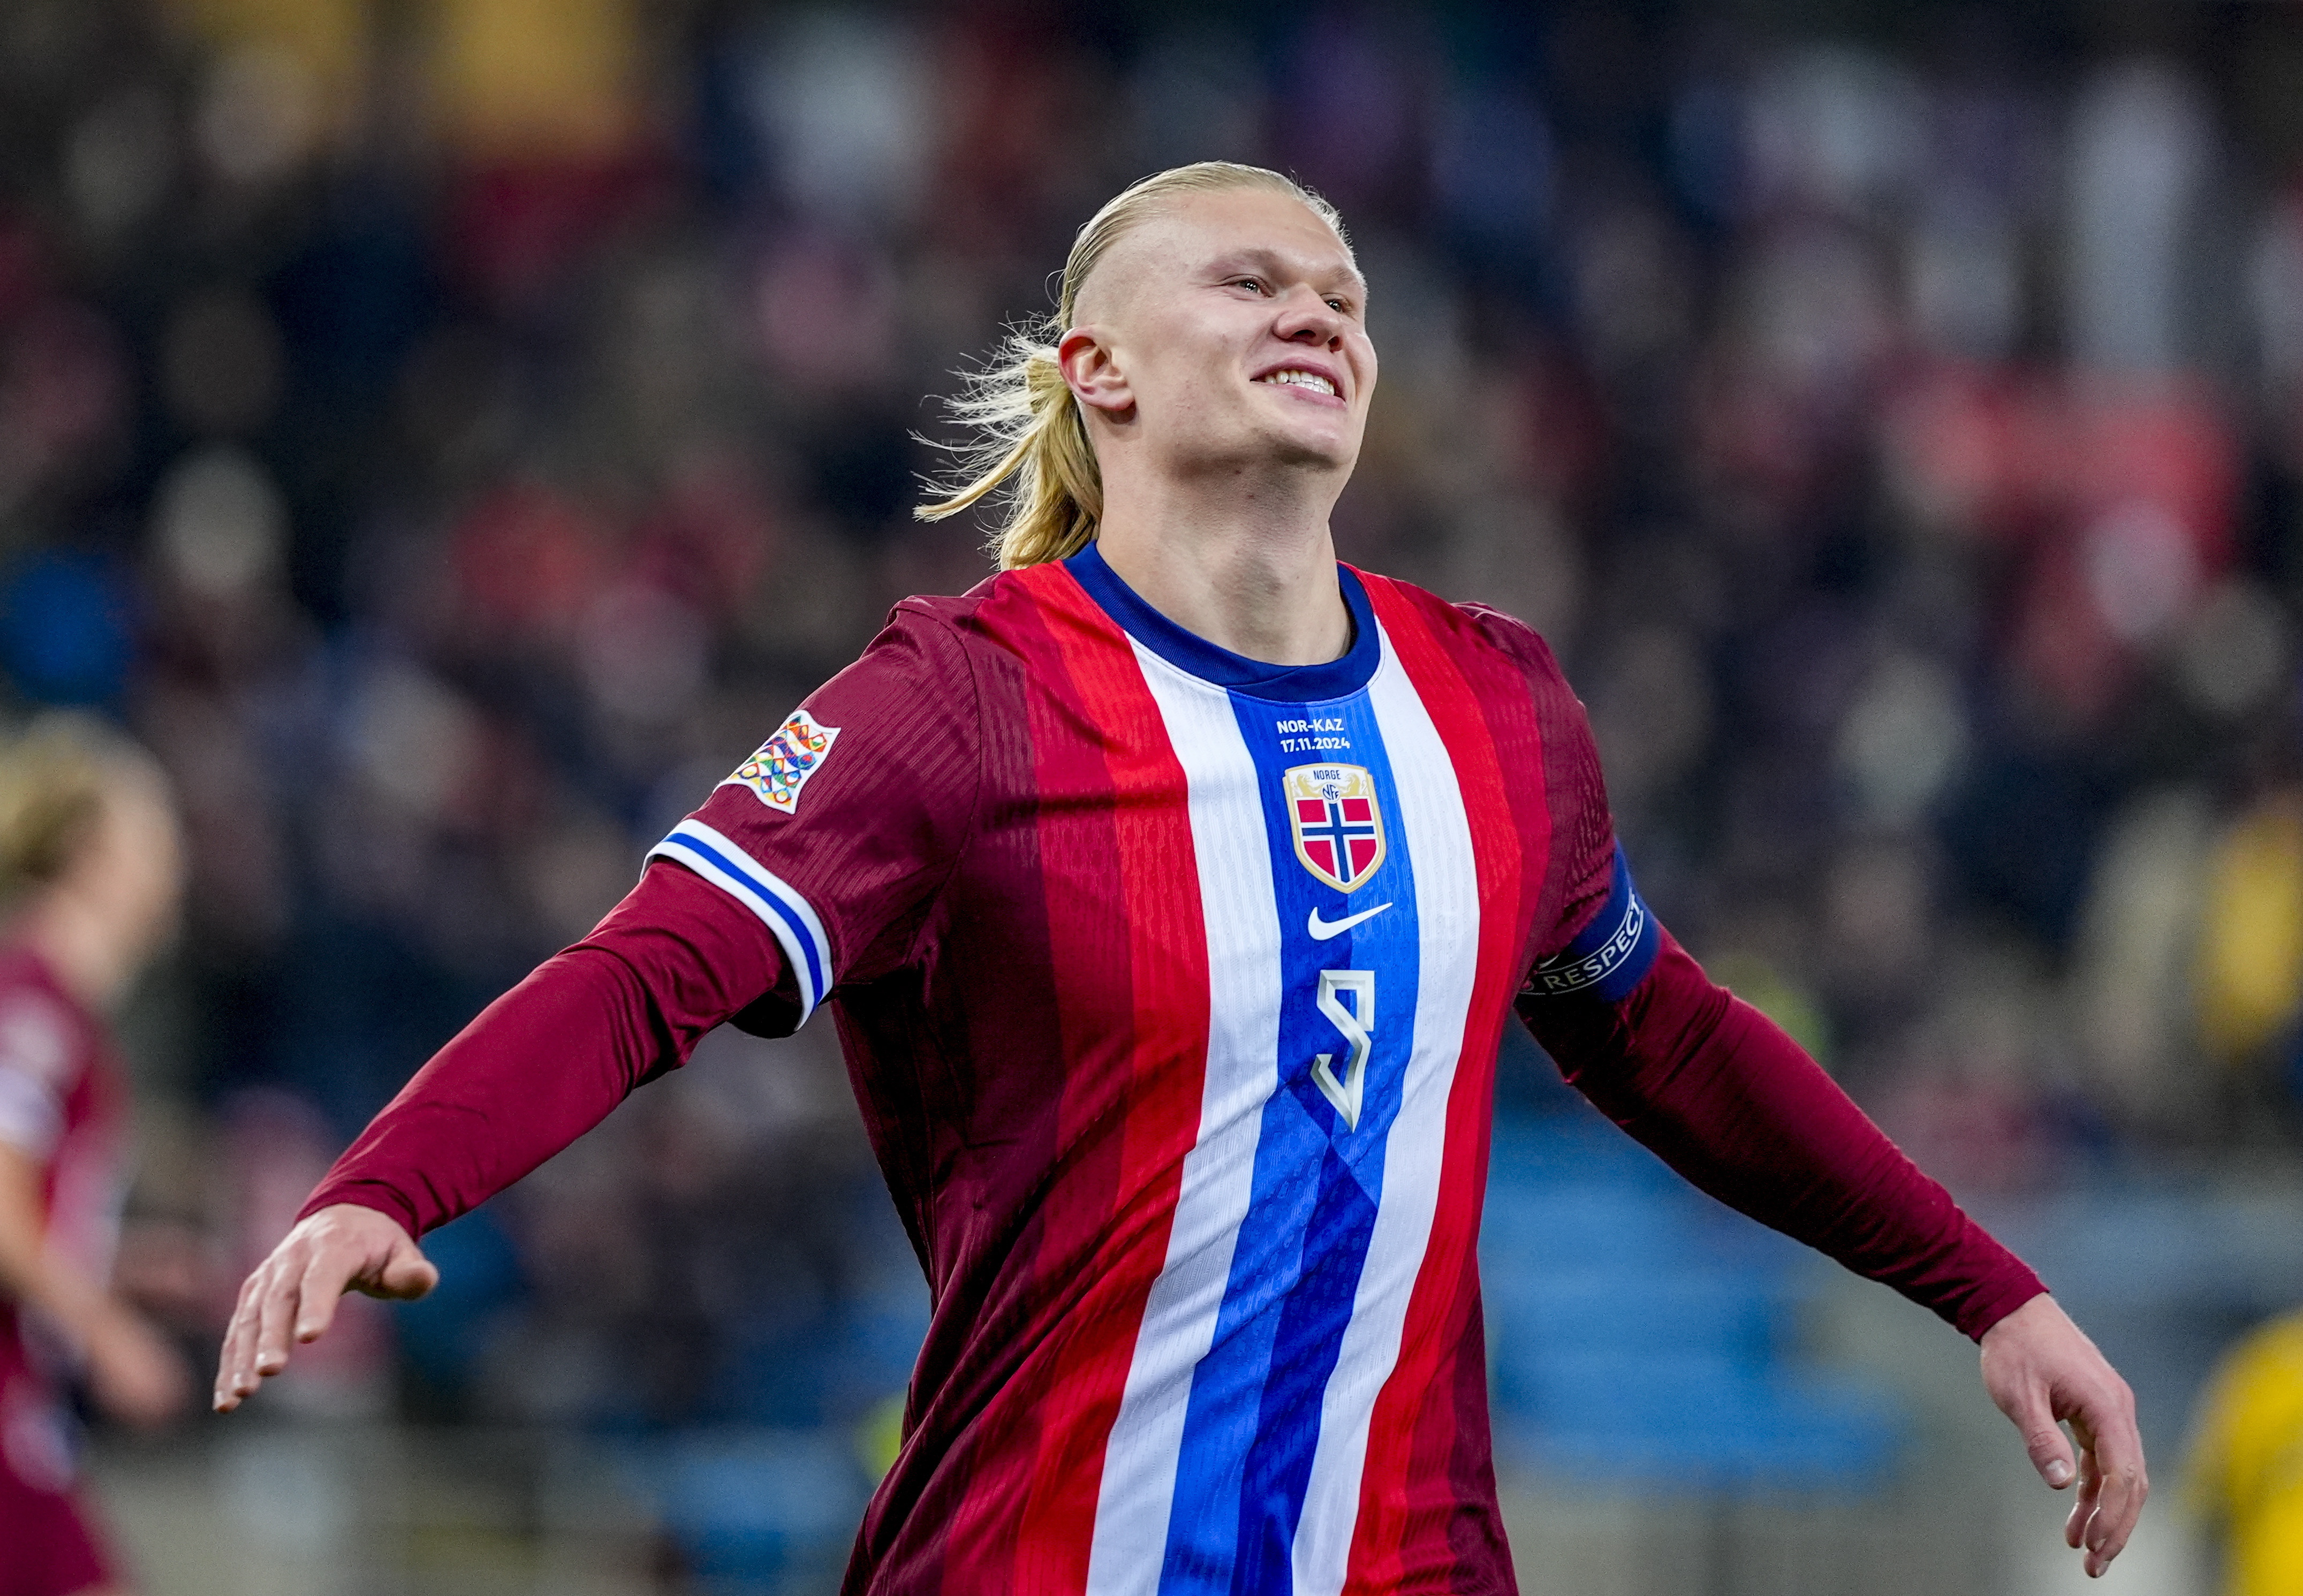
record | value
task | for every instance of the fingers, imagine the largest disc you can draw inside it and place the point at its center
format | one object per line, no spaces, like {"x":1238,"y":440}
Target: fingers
{"x":236,"y":1361}
{"x":256,"y":1345}
{"x":318,"y":1289}
{"x":2083,"y":1505}
{"x":275,"y":1316}
{"x":406,"y":1274}
{"x":2049,"y":1447}
{"x":291,"y":1296}
{"x":2039,"y":1368}
{"x":2116,"y":1451}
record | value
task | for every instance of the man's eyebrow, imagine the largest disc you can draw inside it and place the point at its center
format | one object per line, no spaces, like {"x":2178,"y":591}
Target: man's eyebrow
{"x":1271,"y":260}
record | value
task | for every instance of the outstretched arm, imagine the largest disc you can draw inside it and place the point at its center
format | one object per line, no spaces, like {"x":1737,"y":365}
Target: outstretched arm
{"x":1718,"y":1092}
{"x":539,"y":1067}
{"x":785,"y":883}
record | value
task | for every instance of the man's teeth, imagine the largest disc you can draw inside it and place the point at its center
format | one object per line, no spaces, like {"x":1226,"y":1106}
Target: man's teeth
{"x":1302,"y":379}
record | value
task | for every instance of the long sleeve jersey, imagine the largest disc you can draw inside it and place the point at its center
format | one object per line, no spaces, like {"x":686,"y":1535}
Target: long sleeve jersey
{"x":1170,"y":984}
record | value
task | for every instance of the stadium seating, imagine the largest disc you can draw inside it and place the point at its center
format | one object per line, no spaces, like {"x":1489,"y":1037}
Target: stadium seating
{"x":1642,"y":1337}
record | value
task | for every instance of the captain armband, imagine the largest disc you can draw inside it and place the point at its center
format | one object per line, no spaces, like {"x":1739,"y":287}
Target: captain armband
{"x":1608,"y":956}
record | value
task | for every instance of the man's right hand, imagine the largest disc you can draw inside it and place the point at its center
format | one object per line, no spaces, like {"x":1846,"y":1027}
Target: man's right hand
{"x":293,"y":1293}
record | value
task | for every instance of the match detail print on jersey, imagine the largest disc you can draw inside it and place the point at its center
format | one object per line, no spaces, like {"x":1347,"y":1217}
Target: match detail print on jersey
{"x":780,"y":766}
{"x":1237,"y":1460}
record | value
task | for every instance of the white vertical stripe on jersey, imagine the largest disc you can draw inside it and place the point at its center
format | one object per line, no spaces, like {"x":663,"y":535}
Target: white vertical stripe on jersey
{"x":1437,"y":833}
{"x":1179,"y":1315}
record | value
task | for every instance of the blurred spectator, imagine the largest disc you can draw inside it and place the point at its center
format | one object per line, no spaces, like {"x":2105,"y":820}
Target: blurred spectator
{"x":2250,"y":970}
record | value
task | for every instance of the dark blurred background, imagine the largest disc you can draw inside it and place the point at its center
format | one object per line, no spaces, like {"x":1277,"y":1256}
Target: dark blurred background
{"x":452,"y":431}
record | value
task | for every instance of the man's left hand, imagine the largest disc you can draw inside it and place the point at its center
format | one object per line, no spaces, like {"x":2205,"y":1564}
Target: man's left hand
{"x":2042,"y":1373}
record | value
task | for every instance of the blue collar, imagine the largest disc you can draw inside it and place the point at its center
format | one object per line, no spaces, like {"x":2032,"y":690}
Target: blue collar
{"x":1195,"y":656}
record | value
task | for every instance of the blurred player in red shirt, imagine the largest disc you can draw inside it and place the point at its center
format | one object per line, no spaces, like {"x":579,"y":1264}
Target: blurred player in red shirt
{"x":1170,"y":889}
{"x":89,"y":862}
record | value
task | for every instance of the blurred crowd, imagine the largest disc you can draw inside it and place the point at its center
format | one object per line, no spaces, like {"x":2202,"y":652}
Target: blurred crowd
{"x":450,"y":433}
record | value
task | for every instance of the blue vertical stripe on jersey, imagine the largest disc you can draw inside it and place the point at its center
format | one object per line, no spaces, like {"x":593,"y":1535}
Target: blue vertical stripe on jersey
{"x":1252,"y":1426}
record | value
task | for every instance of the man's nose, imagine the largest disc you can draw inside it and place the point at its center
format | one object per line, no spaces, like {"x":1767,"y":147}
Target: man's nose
{"x":1307,"y":318}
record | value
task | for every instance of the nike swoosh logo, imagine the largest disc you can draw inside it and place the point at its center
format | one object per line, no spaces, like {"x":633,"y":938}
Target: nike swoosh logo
{"x":1322,"y":930}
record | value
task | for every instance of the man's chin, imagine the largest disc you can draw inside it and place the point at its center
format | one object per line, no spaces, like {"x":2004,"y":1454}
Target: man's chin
{"x":1295,"y":450}
{"x":1313,"y":449}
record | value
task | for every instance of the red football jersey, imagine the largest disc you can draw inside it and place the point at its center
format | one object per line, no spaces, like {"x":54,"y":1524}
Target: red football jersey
{"x":1171,"y":983}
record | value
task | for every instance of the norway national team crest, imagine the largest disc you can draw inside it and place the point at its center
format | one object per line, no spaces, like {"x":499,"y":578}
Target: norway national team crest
{"x":784,"y":762}
{"x":1338,"y":827}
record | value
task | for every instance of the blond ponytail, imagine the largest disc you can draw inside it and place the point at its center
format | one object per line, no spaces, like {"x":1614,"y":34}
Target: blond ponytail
{"x":1031,"y":444}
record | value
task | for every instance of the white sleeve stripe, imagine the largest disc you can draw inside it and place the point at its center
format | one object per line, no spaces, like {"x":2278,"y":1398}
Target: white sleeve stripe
{"x":781,"y":908}
{"x":30,"y":1119}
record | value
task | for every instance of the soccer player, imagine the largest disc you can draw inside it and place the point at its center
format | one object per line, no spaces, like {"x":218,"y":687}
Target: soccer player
{"x":88,"y":863}
{"x":1170,"y":889}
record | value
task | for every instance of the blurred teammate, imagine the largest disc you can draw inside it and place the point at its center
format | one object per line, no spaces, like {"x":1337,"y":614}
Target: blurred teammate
{"x":1170,"y":889}
{"x":88,"y":862}
{"x":2246,"y":1469}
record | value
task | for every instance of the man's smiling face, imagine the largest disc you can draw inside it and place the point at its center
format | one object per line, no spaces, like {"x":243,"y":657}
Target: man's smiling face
{"x":1235,"y":324}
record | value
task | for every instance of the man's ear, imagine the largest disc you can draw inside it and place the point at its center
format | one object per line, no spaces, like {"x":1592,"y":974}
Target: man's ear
{"x":1094,"y":375}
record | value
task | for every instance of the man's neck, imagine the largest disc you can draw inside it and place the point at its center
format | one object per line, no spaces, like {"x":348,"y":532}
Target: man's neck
{"x":1254,"y":573}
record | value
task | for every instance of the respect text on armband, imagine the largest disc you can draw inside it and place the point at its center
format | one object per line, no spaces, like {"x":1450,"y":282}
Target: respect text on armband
{"x":1597,"y":966}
